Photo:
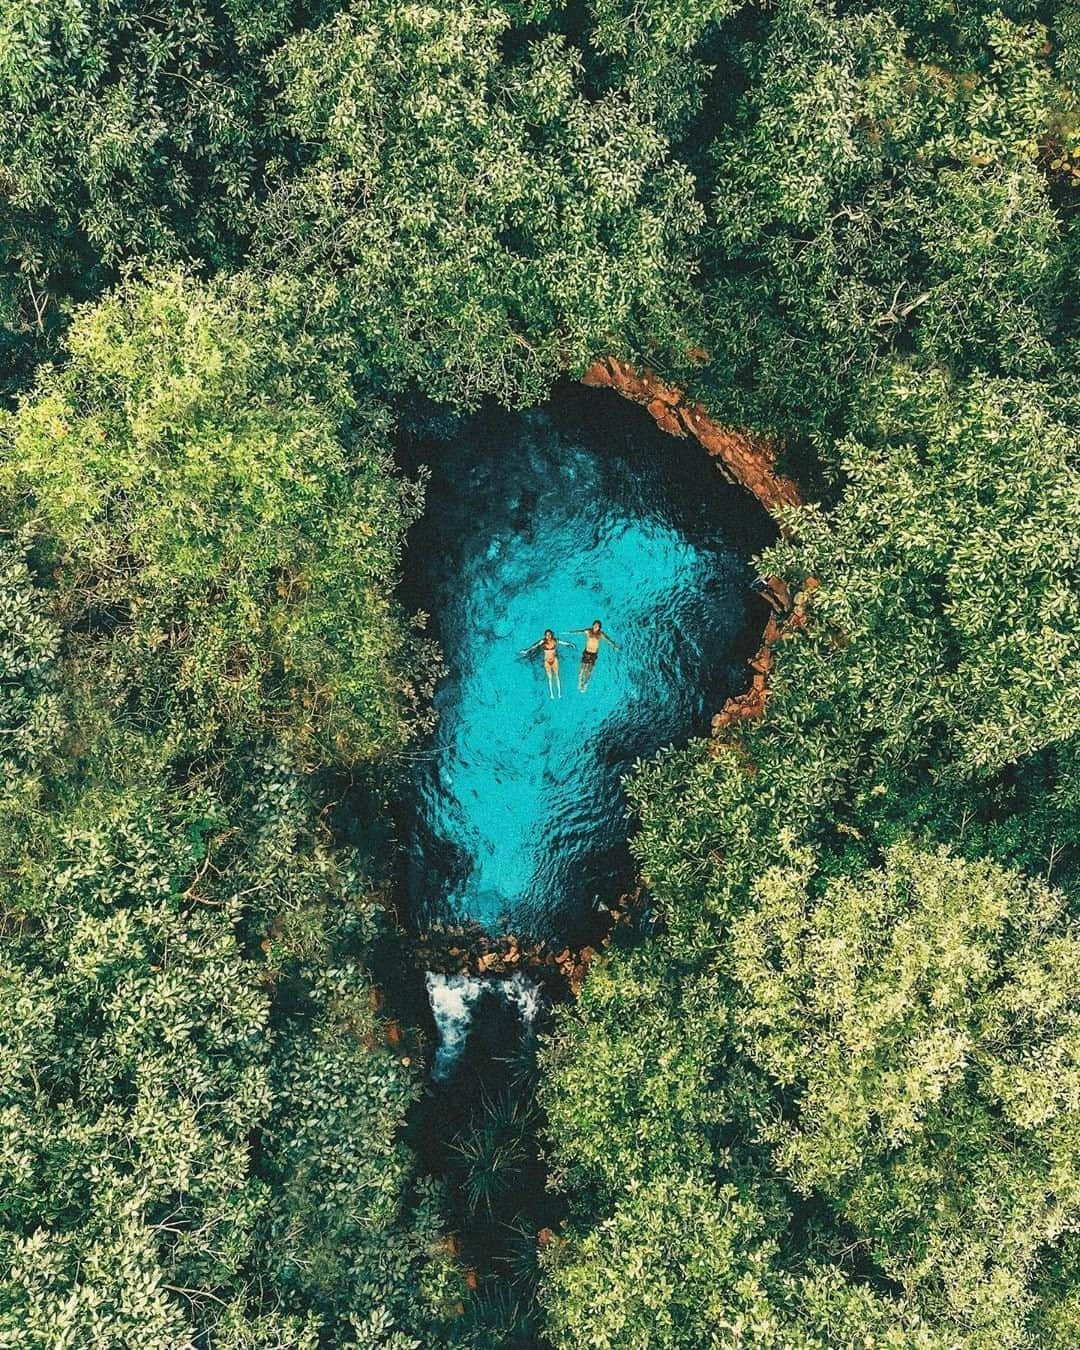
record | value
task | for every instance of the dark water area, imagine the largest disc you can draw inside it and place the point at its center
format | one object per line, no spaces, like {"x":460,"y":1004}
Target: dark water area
{"x":551,"y":518}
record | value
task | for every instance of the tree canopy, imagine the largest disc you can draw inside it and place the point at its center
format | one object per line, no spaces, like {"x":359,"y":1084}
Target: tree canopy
{"x":832,"y":1099}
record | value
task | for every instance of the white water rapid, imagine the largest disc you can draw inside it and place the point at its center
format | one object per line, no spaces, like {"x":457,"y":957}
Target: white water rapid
{"x":453,"y":1001}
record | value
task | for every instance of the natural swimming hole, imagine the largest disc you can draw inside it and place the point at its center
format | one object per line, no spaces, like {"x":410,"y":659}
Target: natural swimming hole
{"x":516,"y":815}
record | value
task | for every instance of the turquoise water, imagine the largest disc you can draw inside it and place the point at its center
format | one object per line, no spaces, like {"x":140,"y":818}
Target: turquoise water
{"x":551,"y":519}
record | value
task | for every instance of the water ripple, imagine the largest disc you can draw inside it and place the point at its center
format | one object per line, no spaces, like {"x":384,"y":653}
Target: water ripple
{"x":535,"y":521}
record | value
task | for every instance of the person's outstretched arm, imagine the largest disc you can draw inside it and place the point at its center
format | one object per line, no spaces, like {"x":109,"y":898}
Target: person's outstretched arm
{"x":563,"y":643}
{"x":607,"y":639}
{"x":526,"y":650}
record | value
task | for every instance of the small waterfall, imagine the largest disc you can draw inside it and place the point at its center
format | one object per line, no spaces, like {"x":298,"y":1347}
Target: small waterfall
{"x":525,"y":995}
{"x":453,"y":1001}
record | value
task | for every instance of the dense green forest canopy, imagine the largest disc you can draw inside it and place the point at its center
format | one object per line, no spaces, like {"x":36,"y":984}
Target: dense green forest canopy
{"x":835,"y":1099}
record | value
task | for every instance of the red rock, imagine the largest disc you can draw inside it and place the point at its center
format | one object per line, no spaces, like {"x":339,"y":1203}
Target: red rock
{"x":750,"y":458}
{"x":745,"y":458}
{"x":668,"y":421}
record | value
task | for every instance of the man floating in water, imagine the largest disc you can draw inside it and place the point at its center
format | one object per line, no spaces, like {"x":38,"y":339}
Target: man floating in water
{"x":593,"y":638}
{"x":551,"y":644}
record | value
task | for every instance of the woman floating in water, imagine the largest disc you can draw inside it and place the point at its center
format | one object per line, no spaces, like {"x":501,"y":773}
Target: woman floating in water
{"x":551,"y":645}
{"x":593,"y":638}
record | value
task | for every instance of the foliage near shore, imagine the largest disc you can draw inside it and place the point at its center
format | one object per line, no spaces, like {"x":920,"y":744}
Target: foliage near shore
{"x":200,"y":1100}
{"x":834,"y":1102}
{"x":868,"y":896}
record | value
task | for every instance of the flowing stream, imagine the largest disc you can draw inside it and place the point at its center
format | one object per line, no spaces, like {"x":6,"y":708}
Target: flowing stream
{"x":552,"y":518}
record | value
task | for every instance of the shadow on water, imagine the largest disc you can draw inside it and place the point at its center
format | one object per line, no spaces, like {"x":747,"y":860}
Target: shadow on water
{"x":549,"y":519}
